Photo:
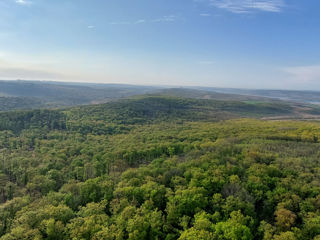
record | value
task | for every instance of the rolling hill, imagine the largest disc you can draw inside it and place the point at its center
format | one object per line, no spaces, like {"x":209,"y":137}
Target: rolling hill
{"x":311,"y":97}
{"x":36,"y":94}
{"x":159,"y":167}
{"x":16,"y":95}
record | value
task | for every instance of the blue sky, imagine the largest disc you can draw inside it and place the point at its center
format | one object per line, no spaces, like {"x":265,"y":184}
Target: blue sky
{"x":220,"y":43}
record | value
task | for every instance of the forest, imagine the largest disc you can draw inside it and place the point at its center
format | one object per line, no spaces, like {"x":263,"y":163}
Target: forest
{"x":160,"y":167}
{"x":21,"y":95}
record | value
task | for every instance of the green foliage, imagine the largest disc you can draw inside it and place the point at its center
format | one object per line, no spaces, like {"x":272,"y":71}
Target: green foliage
{"x":123,"y":171}
{"x":36,"y":119}
{"x":14,"y":103}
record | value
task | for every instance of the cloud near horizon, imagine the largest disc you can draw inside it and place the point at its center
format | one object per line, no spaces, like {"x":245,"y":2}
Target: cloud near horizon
{"x":304,"y":74}
{"x":26,"y":73}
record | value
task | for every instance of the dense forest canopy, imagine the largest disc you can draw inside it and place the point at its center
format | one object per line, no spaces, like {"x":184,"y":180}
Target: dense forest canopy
{"x":155,"y":167}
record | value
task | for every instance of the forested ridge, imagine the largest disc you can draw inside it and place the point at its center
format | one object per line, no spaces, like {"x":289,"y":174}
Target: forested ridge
{"x":19,"y":95}
{"x":155,"y":167}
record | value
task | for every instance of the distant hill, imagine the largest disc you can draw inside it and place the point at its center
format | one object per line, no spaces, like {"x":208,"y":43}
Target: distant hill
{"x":31,"y":94}
{"x":155,"y":107}
{"x":21,"y":95}
{"x":207,"y":94}
{"x":312,"y":97}
{"x":149,"y":109}
{"x":11,"y":103}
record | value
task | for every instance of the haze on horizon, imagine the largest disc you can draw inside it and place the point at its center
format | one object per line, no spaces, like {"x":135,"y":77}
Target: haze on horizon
{"x":218,"y":43}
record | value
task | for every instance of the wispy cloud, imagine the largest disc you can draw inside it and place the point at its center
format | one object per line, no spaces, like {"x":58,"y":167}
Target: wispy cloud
{"x":247,"y":6}
{"x":90,"y":26}
{"x":167,"y":18}
{"x":205,"y":14}
{"x":121,"y":23}
{"x":140,"y":21}
{"x":304,"y":74}
{"x":23,"y":2}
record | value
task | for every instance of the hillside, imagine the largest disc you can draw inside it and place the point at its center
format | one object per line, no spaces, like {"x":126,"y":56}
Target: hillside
{"x":157,"y":107}
{"x":312,"y":97}
{"x":145,"y":109}
{"x":35,"y":94}
{"x":294,"y":107}
{"x":207,"y":94}
{"x":14,"y":103}
{"x":21,"y":95}
{"x":155,"y":167}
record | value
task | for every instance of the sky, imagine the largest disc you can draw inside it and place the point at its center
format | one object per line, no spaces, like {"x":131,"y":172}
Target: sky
{"x":271,"y":44}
